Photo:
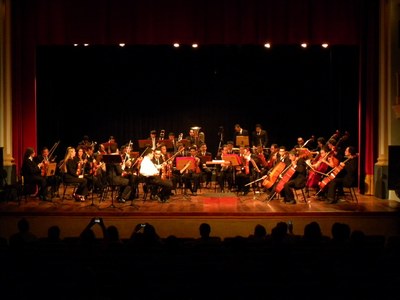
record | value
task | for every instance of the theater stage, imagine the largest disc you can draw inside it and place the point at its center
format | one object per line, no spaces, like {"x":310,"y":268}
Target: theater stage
{"x":228,"y":214}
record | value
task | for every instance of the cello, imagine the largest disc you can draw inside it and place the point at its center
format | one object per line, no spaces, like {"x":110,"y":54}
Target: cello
{"x":317,"y":169}
{"x":287,"y":174}
{"x":332,"y":174}
{"x":272,"y":176}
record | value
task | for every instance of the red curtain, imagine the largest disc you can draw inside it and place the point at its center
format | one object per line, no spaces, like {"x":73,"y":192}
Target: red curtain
{"x":64,"y":22}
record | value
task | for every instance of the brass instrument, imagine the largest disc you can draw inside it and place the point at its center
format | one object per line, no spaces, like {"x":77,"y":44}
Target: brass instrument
{"x":162,"y":134}
{"x":160,"y":138}
{"x":202,"y":137}
{"x":196,"y":130}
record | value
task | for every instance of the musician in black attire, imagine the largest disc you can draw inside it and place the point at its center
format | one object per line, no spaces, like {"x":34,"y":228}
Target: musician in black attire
{"x":297,"y":180}
{"x":130,"y":170}
{"x":174,"y":141}
{"x":347,"y":177}
{"x":115,"y":178}
{"x":191,"y":177}
{"x":243,"y":172}
{"x":53,"y":181}
{"x":283,"y":155}
{"x":224,"y":171}
{"x":96,"y":182}
{"x":239,"y":131}
{"x":259,"y":137}
{"x":32,"y":173}
{"x":70,"y":170}
{"x":205,"y":156}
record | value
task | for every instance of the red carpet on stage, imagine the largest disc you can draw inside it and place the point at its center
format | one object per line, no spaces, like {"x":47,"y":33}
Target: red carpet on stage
{"x":220,"y":201}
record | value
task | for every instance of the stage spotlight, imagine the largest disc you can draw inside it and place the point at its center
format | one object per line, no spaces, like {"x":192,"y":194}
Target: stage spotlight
{"x":267,"y":45}
{"x":195,"y":45}
{"x":85,"y":45}
{"x":325,"y":45}
{"x":304,"y":45}
{"x":176,"y":45}
{"x":122,"y":44}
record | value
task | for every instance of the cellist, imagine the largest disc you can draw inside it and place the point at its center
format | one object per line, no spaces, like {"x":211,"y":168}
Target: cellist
{"x":273,"y":156}
{"x":347,"y":176}
{"x":297,"y":180}
{"x":281,"y":164}
{"x":334,"y":156}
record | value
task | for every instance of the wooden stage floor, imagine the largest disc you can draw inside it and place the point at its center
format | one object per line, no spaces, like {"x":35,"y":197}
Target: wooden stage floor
{"x":228,"y":214}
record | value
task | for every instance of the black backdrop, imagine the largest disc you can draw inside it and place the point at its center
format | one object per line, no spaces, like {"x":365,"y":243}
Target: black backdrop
{"x":126,"y":92}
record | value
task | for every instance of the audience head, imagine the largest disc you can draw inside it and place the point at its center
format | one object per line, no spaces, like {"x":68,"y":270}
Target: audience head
{"x":312,"y":232}
{"x":53,"y":233}
{"x":23,"y":225}
{"x":112,"y":233}
{"x":205,"y":230}
{"x":260,"y":231}
{"x":340,"y":232}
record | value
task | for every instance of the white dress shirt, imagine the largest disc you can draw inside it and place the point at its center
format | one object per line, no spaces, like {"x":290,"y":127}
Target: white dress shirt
{"x":147,"y":168}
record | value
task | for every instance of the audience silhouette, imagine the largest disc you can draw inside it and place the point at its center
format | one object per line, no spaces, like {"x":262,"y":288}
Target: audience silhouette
{"x":107,"y":266}
{"x":24,"y":236}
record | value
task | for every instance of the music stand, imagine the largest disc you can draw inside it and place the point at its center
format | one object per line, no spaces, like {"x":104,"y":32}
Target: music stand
{"x":242,"y":140}
{"x":204,"y":159}
{"x":112,"y":159}
{"x":144,"y":143}
{"x":234,"y":159}
{"x":182,"y":161}
{"x":51,"y":169}
{"x":107,"y":146}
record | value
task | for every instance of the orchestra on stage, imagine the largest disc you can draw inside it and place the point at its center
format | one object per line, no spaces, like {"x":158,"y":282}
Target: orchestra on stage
{"x":165,"y":165}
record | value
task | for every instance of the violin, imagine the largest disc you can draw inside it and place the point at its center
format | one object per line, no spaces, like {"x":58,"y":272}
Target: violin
{"x":164,"y":171}
{"x":96,"y":167}
{"x":79,"y":170}
{"x":44,"y":166}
